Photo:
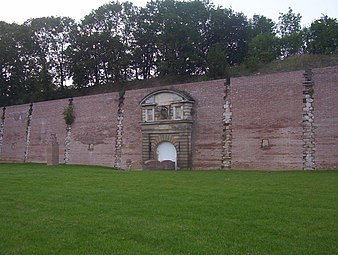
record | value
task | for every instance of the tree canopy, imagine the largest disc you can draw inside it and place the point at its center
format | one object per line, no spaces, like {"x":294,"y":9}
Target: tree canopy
{"x":44,"y":57}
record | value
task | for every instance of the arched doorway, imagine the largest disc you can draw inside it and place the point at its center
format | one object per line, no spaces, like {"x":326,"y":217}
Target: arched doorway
{"x":167,"y":120}
{"x":166,"y":151}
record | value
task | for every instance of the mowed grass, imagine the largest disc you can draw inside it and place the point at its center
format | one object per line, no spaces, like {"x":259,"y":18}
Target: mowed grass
{"x":95,"y":210}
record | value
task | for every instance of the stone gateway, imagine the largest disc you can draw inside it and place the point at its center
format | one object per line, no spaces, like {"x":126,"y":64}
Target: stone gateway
{"x":166,"y":126}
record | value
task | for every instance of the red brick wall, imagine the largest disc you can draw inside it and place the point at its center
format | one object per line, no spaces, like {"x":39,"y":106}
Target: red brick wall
{"x":326,"y":117}
{"x":263,"y":107}
{"x":14,"y":138}
{"x":47,"y":118}
{"x":132,"y":136}
{"x":93,"y":131}
{"x":267,"y":107}
{"x":208,"y":123}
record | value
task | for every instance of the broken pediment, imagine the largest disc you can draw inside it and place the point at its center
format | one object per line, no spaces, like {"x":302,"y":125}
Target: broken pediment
{"x":166,"y":105}
{"x":165,"y":97}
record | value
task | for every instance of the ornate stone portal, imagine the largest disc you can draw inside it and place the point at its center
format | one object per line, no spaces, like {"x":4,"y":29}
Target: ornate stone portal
{"x":167,"y":127}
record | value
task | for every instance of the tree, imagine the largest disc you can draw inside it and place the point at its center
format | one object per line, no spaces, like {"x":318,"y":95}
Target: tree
{"x":217,"y":61}
{"x":323,"y":36}
{"x":288,"y":23}
{"x":54,"y":35}
{"x":230,"y":29}
{"x":289,"y":30}
{"x":261,"y":25}
{"x":6,"y":43}
{"x":182,"y":37}
{"x":101,"y":52}
{"x":263,"y":48}
{"x":81,"y":55}
{"x":145,"y":48}
{"x":21,"y":72}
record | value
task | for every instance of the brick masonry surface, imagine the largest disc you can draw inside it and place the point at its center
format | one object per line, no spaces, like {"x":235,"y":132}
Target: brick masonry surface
{"x":266,"y":114}
{"x":14,"y":133}
{"x":93,"y":131}
{"x":326,"y":117}
{"x":267,"y":108}
{"x":47,"y":119}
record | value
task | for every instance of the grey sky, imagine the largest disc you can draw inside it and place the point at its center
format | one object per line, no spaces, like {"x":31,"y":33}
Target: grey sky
{"x":20,"y":10}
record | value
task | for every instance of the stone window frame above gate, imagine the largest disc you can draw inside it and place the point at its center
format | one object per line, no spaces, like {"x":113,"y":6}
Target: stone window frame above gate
{"x":166,"y":105}
{"x":177,"y":112}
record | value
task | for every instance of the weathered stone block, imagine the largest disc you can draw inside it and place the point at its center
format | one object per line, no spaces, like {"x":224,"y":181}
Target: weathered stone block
{"x":53,"y":154}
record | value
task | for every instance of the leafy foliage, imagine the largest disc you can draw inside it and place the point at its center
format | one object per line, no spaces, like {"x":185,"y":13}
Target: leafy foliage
{"x":264,"y":47}
{"x":323,"y":36}
{"x":260,"y":25}
{"x":289,"y":30}
{"x":217,"y":61}
{"x":53,"y":35}
{"x":69,"y":115}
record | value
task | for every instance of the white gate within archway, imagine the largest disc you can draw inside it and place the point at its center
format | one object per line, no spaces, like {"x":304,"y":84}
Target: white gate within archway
{"x":166,"y":151}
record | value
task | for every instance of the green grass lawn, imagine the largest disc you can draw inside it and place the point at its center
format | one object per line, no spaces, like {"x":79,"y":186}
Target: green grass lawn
{"x":94,"y":210}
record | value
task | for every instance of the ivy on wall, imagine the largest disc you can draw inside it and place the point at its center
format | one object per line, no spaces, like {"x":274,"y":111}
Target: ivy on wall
{"x":69,"y":115}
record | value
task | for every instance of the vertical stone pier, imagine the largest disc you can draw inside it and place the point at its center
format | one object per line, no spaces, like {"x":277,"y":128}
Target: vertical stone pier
{"x":119,"y":131}
{"x":227,"y":128}
{"x":28,"y":131}
{"x":68,"y":138}
{"x":309,"y":145}
{"x":2,"y":127}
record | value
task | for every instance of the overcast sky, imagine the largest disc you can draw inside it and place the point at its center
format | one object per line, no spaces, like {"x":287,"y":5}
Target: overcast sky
{"x":20,"y":10}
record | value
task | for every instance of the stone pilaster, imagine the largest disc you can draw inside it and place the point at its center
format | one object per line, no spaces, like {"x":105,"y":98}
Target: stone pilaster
{"x":119,"y":131}
{"x":2,"y":126}
{"x":309,"y":144}
{"x":227,"y":128}
{"x":28,"y":132}
{"x":68,"y":141}
{"x":68,"y":138}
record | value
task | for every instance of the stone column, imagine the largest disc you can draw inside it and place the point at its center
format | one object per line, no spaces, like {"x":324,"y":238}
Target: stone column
{"x":309,"y":145}
{"x":28,"y":131}
{"x":68,"y":138}
{"x":119,"y":131}
{"x":2,"y":127}
{"x":227,"y":128}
